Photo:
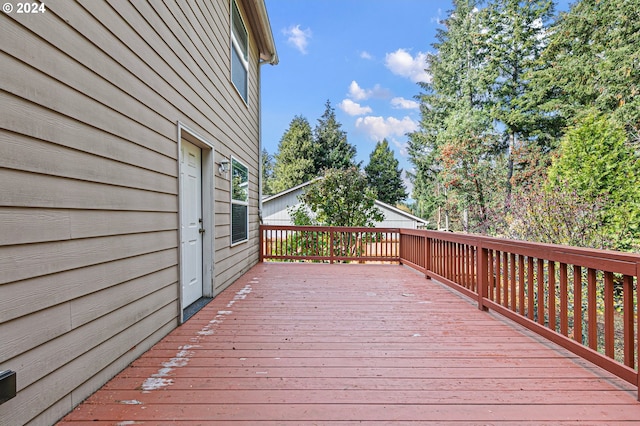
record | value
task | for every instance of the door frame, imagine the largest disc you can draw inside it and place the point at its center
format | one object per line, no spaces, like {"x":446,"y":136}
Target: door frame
{"x":207,"y":203}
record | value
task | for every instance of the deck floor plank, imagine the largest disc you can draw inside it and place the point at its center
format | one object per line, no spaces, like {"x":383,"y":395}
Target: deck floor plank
{"x":344,"y":344}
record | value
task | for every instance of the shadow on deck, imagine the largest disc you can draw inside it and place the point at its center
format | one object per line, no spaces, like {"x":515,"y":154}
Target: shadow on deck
{"x":331,"y":344}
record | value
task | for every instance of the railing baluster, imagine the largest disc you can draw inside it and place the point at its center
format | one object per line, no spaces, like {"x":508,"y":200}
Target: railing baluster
{"x":521,"y":284}
{"x":441,"y":253}
{"x":430,"y":252}
{"x":552,"y":294}
{"x":483,"y":275}
{"x":609,"y":332}
{"x":530,"y":292}
{"x":564,"y":300}
{"x":540,"y":298}
{"x":331,"y":246}
{"x":592,"y":309}
{"x":492,"y":279}
{"x":628,"y":321}
{"x":498,"y":277}
{"x":512,"y":279}
{"x":577,"y":304}
{"x":449,"y":260}
{"x":457,"y":275}
{"x":438,"y":250}
{"x":505,"y":278}
{"x":468,"y":267}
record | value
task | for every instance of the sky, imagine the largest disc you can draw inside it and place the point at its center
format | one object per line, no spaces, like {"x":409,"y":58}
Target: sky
{"x":365,"y":56}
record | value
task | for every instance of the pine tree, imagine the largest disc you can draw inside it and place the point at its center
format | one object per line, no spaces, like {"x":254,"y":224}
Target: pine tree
{"x":454,"y":148}
{"x":515,"y":35}
{"x":332,"y":149}
{"x":592,"y":62}
{"x":267,"y":173}
{"x":384,"y":176}
{"x":294,"y":161}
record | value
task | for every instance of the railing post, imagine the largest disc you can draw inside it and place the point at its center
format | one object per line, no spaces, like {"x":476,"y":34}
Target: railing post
{"x":261,"y":244}
{"x":427,"y":256}
{"x":637,"y":331}
{"x":330,"y":245}
{"x":482,"y":260}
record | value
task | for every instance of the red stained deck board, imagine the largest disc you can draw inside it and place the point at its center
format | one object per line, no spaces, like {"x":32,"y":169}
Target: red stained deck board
{"x":354,"y":396}
{"x":481,"y":385}
{"x":360,"y":412}
{"x":326,"y":344}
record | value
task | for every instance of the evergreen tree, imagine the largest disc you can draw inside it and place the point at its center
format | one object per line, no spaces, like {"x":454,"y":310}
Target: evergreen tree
{"x":294,"y":161}
{"x":453,"y":149}
{"x":515,"y":34}
{"x":595,"y":162}
{"x":332,"y":149}
{"x":592,"y":62}
{"x":384,"y":176}
{"x":267,"y":173}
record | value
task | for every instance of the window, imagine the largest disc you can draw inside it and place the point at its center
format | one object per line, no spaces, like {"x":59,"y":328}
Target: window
{"x":239,"y":202}
{"x":239,"y":52}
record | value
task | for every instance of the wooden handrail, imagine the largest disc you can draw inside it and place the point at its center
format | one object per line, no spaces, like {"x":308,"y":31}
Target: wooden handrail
{"x":583,"y":299}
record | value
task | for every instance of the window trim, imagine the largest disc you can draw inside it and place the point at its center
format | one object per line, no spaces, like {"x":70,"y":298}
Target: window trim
{"x":238,"y":202}
{"x":236,"y":49}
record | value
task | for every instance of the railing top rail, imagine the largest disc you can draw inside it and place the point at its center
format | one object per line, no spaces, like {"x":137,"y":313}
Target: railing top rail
{"x":608,"y":260}
{"x":329,"y":228}
{"x":491,"y":242}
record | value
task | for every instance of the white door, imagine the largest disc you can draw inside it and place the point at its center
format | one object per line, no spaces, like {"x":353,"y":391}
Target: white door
{"x":191,"y":240}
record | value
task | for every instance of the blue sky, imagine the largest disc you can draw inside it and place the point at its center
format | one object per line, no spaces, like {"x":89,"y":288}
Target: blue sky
{"x":365,"y":56}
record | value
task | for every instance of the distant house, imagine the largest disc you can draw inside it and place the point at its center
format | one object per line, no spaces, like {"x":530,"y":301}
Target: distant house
{"x":275,"y":210}
{"x":129,"y":182}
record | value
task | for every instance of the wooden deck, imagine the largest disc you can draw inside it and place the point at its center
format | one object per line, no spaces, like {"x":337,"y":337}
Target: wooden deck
{"x":351,"y":344}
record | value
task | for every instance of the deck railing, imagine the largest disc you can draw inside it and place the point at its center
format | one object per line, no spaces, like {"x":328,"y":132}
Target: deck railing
{"x":330,"y":244}
{"x":585,"y":300}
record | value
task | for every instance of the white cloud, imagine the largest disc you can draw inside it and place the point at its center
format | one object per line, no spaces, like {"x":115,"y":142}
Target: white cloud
{"x":357,"y":93}
{"x":354,"y":108}
{"x":378,"y":128}
{"x":402,"y":103}
{"x":365,"y":55}
{"x":403,"y":64}
{"x":298,"y":38}
{"x":403,"y":147}
{"x":438,"y":19}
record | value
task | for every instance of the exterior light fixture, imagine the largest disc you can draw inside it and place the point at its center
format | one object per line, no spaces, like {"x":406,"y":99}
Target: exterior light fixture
{"x":223,"y":166}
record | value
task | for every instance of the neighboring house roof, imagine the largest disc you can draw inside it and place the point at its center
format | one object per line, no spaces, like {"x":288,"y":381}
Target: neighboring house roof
{"x":401,"y":212}
{"x":287,"y":191}
{"x":258,"y":18}
{"x":378,"y":203}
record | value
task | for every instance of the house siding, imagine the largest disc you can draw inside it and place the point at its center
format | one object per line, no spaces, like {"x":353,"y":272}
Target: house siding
{"x":395,"y":220}
{"x":276,"y":210}
{"x":92,"y":93}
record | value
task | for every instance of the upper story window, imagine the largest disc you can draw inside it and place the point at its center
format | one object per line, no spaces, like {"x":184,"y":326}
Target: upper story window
{"x":239,"y":52}
{"x":239,"y":202}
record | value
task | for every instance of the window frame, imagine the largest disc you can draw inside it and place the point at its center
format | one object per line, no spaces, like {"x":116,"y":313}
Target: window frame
{"x":237,"y":202}
{"x":239,"y":51}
